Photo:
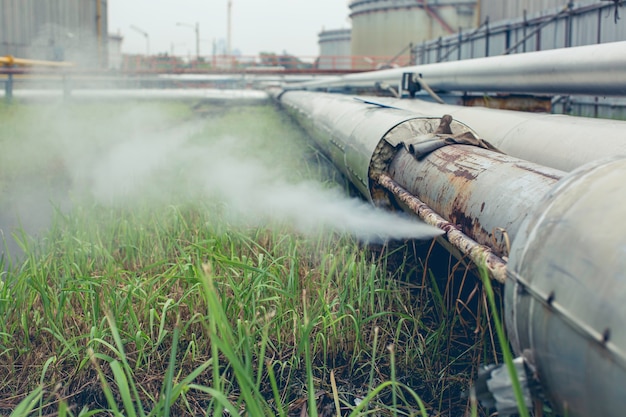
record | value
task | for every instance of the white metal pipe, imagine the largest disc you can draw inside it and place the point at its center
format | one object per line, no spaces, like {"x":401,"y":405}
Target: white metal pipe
{"x":587,"y":70}
{"x":565,"y":291}
{"x":557,"y":141}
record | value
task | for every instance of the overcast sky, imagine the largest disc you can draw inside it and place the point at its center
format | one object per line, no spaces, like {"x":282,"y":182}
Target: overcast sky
{"x":257,"y":25}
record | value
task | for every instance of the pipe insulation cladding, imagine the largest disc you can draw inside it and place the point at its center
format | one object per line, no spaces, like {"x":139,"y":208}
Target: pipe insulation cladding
{"x":485,"y":193}
{"x":565,"y":281}
{"x":553,"y":140}
{"x":566,"y":287}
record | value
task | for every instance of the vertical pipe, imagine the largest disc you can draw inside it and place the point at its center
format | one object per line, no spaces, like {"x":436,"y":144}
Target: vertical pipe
{"x":524,"y":31}
{"x":99,"y":36}
{"x":538,"y":39}
{"x":439,"y":49}
{"x":67,"y":92}
{"x":4,"y":30}
{"x":599,"y":34}
{"x":8,"y":89}
{"x":568,"y":29}
{"x":507,"y":38}
{"x":487,"y":38}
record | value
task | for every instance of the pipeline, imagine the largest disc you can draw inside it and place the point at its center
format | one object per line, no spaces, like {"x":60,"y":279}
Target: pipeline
{"x":553,"y":140}
{"x":12,"y":61}
{"x":587,"y":70}
{"x":485,"y":193}
{"x":564,"y":271}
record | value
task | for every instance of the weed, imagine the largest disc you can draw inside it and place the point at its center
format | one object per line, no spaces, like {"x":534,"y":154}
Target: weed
{"x":158,"y":301}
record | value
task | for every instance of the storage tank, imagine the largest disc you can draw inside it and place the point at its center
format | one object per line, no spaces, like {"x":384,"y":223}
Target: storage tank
{"x":335,"y":49}
{"x":56,"y":30}
{"x":383,"y":29}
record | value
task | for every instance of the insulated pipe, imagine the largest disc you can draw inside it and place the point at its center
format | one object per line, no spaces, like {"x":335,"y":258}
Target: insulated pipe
{"x":485,"y":193}
{"x":565,"y":292}
{"x":565,"y":280}
{"x":587,"y":70}
{"x":556,"y":141}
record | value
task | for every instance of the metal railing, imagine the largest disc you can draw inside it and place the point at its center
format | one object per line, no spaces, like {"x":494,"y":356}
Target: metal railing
{"x":563,"y":28}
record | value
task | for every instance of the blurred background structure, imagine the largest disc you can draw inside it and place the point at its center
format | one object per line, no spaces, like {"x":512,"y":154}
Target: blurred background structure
{"x":55,"y":30}
{"x":383,"y":34}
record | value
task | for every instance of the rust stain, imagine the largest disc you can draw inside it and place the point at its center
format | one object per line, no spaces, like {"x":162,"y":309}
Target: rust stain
{"x":536,"y":171}
{"x":464,"y":174}
{"x":511,"y":102}
{"x":452,"y":154}
{"x":479,"y":254}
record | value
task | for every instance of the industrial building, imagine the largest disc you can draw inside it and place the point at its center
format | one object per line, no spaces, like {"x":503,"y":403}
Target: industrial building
{"x":386,"y":28}
{"x":56,"y":30}
{"x":446,"y":30}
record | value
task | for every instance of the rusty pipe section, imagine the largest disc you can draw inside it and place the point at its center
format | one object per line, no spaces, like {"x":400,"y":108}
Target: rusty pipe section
{"x":479,"y":254}
{"x":487,"y":194}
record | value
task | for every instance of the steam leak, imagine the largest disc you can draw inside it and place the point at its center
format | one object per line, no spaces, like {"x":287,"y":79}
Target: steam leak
{"x":254,"y":191}
{"x":145,"y":156}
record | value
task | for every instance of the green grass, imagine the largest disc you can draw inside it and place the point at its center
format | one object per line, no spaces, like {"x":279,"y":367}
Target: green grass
{"x":164,"y":303}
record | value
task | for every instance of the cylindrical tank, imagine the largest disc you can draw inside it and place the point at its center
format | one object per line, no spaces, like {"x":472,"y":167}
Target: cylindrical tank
{"x":335,"y":49}
{"x":565,"y":291}
{"x":70,"y":30}
{"x":383,"y":28}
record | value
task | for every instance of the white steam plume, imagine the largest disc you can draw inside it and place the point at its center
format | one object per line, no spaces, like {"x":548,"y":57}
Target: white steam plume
{"x":252,"y":191}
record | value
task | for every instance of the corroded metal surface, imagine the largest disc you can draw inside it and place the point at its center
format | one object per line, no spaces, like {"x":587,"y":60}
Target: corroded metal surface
{"x":479,"y":254}
{"x":565,"y":293}
{"x":349,"y":131}
{"x":542,"y":104}
{"x":486,"y":193}
{"x":483,"y":192}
